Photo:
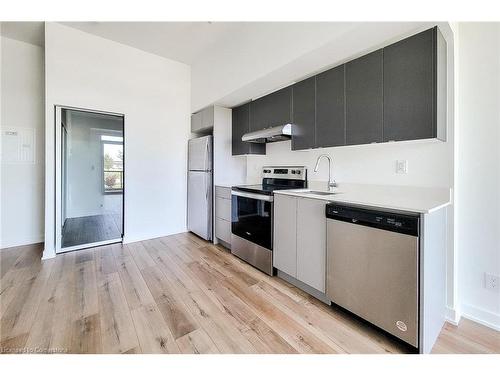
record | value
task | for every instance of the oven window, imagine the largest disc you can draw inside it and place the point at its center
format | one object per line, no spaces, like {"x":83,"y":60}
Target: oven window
{"x":251,"y":219}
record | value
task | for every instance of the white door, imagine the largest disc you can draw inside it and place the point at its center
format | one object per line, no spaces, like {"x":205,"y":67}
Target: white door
{"x":199,"y":154}
{"x":199,"y":204}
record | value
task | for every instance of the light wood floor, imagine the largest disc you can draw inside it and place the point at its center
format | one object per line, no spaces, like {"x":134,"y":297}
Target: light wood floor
{"x":179,"y":294}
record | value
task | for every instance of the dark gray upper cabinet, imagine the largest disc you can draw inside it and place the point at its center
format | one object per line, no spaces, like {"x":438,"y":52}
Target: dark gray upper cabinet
{"x":330,"y":108}
{"x":409,"y":88}
{"x":304,"y":114}
{"x":240,"y":126}
{"x":393,"y":94}
{"x":364,"y":99}
{"x":271,"y":110}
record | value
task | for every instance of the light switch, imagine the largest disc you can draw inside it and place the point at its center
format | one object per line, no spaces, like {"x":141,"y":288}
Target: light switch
{"x":402,"y":166}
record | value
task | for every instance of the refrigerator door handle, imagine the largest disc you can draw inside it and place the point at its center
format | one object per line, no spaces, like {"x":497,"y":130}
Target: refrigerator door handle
{"x":206,"y":187}
{"x":207,"y":155}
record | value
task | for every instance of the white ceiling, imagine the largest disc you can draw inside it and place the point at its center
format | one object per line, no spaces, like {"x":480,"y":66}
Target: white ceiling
{"x":29,"y":32}
{"x":187,"y":42}
{"x":180,"y":41}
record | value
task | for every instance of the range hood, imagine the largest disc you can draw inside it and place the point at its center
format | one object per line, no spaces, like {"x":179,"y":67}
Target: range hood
{"x":274,"y":134}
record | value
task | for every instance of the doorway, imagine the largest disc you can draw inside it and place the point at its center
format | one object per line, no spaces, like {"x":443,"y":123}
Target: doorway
{"x":90,"y":180}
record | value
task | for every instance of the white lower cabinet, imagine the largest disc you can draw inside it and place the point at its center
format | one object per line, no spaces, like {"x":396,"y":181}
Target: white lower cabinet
{"x":223,"y":230}
{"x":311,"y":242}
{"x":300,"y":239}
{"x":223,"y":213}
{"x":285,"y":239}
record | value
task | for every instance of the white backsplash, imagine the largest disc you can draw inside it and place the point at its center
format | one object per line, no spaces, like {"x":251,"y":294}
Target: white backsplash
{"x":429,"y":163}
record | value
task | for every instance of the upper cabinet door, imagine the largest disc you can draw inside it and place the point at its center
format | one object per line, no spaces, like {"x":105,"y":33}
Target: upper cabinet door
{"x":203,"y":121}
{"x":364,"y":99}
{"x":304,"y":114}
{"x":196,"y":122}
{"x":240,"y":126}
{"x":330,"y":108}
{"x":207,"y":118}
{"x":409,"y":82}
{"x":271,"y":110}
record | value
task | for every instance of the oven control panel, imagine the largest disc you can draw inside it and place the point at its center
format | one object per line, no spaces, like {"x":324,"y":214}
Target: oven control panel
{"x":289,"y":173}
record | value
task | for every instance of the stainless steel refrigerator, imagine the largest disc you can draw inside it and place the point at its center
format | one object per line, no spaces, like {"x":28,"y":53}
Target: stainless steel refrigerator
{"x":199,"y":213}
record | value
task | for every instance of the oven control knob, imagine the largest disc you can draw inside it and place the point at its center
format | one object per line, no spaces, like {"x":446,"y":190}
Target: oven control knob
{"x":298,"y":171}
{"x":293,"y":171}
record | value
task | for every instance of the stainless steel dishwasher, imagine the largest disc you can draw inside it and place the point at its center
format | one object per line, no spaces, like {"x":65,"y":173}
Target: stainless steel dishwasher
{"x":372,"y":267}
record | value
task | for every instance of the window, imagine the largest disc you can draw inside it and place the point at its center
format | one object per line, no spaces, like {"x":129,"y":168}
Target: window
{"x":112,"y":160}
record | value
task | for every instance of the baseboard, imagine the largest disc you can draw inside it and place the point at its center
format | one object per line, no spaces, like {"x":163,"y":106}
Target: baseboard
{"x":129,"y":239}
{"x":50,"y":255}
{"x":452,"y":316}
{"x":481,"y":316}
{"x":222,"y":243}
{"x":306,"y":288}
{"x":22,"y":242}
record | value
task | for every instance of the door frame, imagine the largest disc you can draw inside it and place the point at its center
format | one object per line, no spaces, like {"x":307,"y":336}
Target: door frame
{"x":58,"y":180}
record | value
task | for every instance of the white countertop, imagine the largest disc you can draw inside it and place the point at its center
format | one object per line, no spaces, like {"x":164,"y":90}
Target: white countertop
{"x":225,"y":185}
{"x":401,"y":198}
{"x":231,"y":184}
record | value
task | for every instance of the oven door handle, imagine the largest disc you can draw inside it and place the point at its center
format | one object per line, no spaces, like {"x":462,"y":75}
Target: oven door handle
{"x":260,"y":197}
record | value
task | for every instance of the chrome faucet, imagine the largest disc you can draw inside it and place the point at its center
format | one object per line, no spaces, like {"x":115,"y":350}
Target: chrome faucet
{"x":331,"y":183}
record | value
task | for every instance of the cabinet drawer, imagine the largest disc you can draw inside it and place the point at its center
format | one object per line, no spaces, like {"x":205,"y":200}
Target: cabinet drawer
{"x":223,"y":208}
{"x":223,"y":192}
{"x":223,"y":230}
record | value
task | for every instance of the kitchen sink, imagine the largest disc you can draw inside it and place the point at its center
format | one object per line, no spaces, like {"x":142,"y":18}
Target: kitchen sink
{"x":314,"y":192}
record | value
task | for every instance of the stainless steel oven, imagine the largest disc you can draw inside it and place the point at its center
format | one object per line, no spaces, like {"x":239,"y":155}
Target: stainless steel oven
{"x":252,"y":229}
{"x":252,"y":215}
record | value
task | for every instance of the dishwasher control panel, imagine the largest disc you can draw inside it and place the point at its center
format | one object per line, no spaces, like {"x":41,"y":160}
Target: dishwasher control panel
{"x":395,"y":222}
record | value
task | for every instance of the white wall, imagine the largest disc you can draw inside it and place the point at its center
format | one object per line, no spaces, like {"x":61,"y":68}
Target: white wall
{"x":228,"y":170}
{"x":478,"y":182}
{"x":153,"y":93}
{"x":85,"y":195}
{"x":429,"y":162}
{"x":22,"y":105}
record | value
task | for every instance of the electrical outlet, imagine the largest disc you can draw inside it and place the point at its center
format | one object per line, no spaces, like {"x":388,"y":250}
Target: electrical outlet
{"x":492,"y":282}
{"x":402,"y":166}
